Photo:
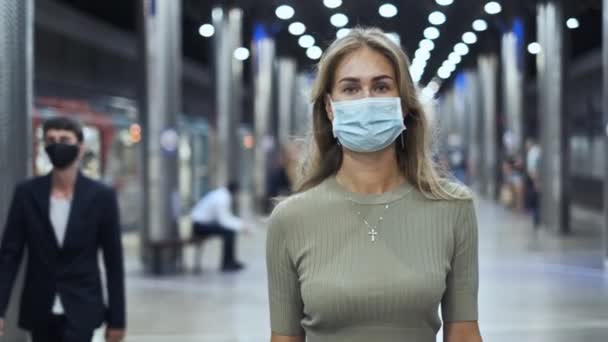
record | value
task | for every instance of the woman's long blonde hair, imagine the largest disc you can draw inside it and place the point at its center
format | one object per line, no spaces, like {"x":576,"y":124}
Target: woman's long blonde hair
{"x":415,"y":158}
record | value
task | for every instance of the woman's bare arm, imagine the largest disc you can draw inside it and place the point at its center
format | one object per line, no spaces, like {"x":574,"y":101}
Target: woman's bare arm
{"x":461,"y":332}
{"x":278,"y":338}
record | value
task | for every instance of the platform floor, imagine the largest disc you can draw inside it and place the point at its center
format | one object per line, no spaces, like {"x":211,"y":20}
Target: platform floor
{"x":535,"y":286}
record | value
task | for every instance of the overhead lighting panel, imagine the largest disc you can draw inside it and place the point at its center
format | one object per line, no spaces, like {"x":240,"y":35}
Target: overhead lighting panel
{"x":534,"y":48}
{"x":431,"y":33}
{"x":339,"y":20}
{"x":493,"y":7}
{"x":469,"y":38}
{"x":285,"y":12}
{"x":332,"y":3}
{"x":206,"y":30}
{"x":573,"y":23}
{"x":343,"y":32}
{"x":437,"y":18}
{"x":297,"y":28}
{"x":388,"y":10}
{"x":241,"y":53}
{"x":427,"y":44}
{"x":306,"y":41}
{"x":444,"y":2}
{"x":314,"y":52}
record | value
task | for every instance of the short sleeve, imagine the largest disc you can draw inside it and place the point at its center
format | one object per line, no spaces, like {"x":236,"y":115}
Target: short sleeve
{"x":286,"y":307}
{"x":459,"y":302}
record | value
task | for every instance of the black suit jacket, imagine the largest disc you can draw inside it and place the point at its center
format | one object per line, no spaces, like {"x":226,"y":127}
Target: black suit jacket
{"x":72,"y":270}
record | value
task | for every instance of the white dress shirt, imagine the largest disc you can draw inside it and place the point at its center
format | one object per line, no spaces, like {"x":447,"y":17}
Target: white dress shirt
{"x":533,"y":160}
{"x":60,"y":213}
{"x":216,"y":207}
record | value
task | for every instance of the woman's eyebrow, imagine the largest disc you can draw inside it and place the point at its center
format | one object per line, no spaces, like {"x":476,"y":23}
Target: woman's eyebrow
{"x":375,"y":79}
{"x":382,"y":77}
{"x":349,"y":79}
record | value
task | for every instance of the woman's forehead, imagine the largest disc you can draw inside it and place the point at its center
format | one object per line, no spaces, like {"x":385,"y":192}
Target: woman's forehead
{"x":363,"y":64}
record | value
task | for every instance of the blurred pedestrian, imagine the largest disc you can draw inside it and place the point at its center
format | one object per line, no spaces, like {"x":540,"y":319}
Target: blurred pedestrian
{"x":375,"y":240}
{"x":64,"y":219}
{"x":512,"y":188}
{"x":213,"y":216}
{"x":506,"y":196}
{"x":518,"y":177}
{"x":533,"y":188}
{"x":457,"y":158}
{"x":279,"y":182}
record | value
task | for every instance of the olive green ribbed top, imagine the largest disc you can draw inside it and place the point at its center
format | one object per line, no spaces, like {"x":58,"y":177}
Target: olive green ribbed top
{"x":329,"y":281}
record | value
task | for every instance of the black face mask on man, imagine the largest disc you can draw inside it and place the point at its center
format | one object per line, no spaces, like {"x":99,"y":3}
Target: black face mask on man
{"x":62,"y":155}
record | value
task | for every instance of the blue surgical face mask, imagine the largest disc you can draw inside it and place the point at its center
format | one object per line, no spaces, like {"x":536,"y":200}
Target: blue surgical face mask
{"x":368,"y":125}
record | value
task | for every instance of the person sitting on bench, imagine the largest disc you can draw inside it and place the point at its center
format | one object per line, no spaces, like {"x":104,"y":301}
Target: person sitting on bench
{"x":213,"y":215}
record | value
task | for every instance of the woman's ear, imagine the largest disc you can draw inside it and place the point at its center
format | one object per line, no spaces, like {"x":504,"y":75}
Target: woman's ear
{"x":328,"y":108}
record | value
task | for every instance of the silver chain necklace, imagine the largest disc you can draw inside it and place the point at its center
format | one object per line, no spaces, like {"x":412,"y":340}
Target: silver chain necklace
{"x":373,"y":232}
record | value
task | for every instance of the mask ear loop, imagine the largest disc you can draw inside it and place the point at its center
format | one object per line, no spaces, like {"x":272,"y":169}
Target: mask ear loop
{"x":331,"y":103}
{"x":403,"y":132}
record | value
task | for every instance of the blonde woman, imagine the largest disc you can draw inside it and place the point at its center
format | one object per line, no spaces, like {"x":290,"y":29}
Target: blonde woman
{"x":374,"y":242}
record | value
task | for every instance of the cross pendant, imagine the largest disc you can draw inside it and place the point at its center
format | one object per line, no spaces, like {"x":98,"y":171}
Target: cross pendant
{"x":372,"y":234}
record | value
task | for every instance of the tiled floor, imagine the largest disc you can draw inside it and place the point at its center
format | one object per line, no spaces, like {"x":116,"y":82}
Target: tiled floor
{"x":535,"y":286}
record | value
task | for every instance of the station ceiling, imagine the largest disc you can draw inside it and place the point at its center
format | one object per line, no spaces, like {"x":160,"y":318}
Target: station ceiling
{"x":409,"y":24}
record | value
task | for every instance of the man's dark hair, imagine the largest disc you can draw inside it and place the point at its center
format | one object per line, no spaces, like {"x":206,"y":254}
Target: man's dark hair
{"x":233,"y":187}
{"x":65,"y":124}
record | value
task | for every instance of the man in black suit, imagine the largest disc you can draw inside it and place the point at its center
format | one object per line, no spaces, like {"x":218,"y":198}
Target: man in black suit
{"x":64,"y":219}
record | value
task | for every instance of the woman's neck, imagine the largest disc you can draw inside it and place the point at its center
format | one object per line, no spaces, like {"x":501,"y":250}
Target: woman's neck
{"x":370,"y":173}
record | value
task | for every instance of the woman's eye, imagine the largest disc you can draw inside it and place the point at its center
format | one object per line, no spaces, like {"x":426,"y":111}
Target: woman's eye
{"x":382,"y":88}
{"x":350,"y":90}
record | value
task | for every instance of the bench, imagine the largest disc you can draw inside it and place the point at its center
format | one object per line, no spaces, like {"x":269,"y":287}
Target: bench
{"x":160,"y":248}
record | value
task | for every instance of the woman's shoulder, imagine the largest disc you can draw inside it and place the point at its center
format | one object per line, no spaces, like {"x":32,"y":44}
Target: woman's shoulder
{"x":461,"y":202}
{"x":286,"y":215}
{"x":456,"y":190}
{"x":299,"y":203}
{"x":453,"y":198}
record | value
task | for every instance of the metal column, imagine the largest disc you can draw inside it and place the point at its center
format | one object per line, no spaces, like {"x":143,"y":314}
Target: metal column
{"x":263,"y":61}
{"x":235,"y":20}
{"x":605,"y":68}
{"x":286,"y":78}
{"x":461,"y":116}
{"x":228,"y":84}
{"x":446,"y":118}
{"x":474,"y":143}
{"x":16,"y":78}
{"x":487,"y":66}
{"x":513,"y":85}
{"x":302,"y":105}
{"x":160,"y":103}
{"x":553,"y":134}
